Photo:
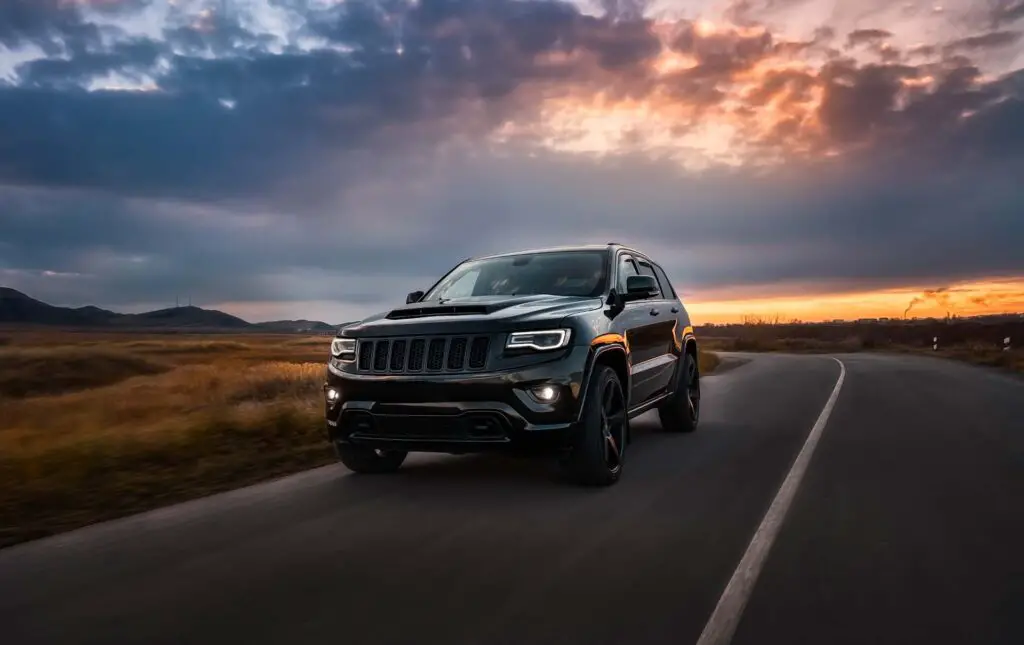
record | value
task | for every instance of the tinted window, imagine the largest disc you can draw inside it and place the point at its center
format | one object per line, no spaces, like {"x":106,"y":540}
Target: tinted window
{"x":645,"y":269}
{"x":560,"y":273}
{"x":666,"y":285}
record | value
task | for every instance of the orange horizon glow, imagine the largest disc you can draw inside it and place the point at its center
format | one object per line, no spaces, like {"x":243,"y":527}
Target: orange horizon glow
{"x":987,"y":297}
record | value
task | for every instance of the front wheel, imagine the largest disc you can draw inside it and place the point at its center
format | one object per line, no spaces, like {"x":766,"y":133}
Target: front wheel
{"x":598,"y":445}
{"x":681,"y":413}
{"x":361,"y":459}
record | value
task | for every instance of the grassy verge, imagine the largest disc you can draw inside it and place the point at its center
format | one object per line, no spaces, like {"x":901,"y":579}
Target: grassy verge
{"x":707,"y":361}
{"x":97,"y":426}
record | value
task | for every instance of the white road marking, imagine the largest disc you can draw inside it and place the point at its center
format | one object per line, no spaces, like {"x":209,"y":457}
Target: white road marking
{"x":726,"y":616}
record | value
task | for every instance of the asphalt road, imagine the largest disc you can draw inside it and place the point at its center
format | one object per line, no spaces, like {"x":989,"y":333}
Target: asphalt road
{"x":907,"y":526}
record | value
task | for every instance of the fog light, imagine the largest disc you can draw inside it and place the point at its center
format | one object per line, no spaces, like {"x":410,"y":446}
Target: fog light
{"x":545,"y":393}
{"x":332,"y":395}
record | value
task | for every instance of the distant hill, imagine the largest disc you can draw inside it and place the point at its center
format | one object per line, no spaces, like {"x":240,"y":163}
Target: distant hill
{"x":295,"y":325}
{"x":17,"y":308}
{"x":182,"y":317}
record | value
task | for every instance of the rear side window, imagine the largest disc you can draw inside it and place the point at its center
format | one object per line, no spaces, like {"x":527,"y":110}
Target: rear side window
{"x":666,"y":286}
{"x":645,"y":269}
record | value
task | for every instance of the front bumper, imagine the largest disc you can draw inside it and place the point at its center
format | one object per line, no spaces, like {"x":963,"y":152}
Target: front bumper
{"x":458,"y":412}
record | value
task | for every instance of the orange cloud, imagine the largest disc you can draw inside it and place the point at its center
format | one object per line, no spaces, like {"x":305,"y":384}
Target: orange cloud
{"x":708,"y":92}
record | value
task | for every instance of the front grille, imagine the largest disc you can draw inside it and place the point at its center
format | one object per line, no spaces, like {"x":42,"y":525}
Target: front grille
{"x":433,"y":354}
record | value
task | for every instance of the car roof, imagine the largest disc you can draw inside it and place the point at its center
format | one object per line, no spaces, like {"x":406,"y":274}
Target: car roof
{"x":555,"y":249}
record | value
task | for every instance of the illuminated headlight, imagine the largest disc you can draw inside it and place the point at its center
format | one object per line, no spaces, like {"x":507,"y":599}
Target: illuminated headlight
{"x":332,"y":395}
{"x":540,"y":341}
{"x":344,"y":349}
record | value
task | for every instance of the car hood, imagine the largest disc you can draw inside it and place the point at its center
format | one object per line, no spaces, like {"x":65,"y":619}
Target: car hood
{"x":482,"y":314}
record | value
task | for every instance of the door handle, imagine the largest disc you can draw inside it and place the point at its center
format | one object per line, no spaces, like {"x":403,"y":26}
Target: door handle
{"x":654,"y":312}
{"x":675,"y":310}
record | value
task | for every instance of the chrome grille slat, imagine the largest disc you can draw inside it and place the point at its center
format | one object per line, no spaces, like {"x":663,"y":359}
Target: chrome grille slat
{"x":419,"y":354}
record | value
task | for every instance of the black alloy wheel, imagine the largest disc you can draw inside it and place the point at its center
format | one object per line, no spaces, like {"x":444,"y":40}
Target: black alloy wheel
{"x":681,"y":412}
{"x":597,"y":449}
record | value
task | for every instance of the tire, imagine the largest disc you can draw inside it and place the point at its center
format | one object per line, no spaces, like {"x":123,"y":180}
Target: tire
{"x":360,"y":459}
{"x":596,"y":455}
{"x":681,"y":413}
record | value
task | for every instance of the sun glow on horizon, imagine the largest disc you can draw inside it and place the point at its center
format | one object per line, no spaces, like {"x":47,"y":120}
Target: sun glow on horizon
{"x":1002,"y":296}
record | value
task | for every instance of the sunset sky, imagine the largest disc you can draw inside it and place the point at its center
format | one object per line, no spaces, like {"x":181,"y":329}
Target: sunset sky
{"x":319,"y":159}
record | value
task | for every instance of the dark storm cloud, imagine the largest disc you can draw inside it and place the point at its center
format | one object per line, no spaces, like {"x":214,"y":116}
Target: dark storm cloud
{"x":402,"y":65}
{"x":210,"y":184}
{"x":122,"y":251}
{"x":990,"y":40}
{"x":927,"y":216}
{"x":133,"y":59}
{"x":861,"y":36}
{"x":860,"y":100}
{"x":54,"y":26}
{"x":1003,"y":12}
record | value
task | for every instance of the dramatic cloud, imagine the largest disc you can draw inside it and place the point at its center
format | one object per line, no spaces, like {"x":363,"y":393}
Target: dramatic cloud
{"x":342,"y":153}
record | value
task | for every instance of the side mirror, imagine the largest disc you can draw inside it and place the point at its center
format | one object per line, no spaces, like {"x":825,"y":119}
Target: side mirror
{"x":413,"y":297}
{"x":640,"y":287}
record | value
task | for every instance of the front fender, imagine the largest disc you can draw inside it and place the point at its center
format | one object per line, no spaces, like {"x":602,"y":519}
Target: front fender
{"x":599,"y":347}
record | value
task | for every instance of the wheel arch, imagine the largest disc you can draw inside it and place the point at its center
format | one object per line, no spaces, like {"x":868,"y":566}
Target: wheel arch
{"x":613,"y":355}
{"x":689,"y":348}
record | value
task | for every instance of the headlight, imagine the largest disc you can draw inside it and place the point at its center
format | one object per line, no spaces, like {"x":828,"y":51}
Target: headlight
{"x":541,"y":341}
{"x":344,"y":349}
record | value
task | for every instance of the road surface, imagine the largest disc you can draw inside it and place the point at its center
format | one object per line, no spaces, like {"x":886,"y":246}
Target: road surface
{"x":906,"y":525}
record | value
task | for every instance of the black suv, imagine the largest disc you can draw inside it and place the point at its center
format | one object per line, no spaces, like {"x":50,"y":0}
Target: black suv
{"x":549,"y":351}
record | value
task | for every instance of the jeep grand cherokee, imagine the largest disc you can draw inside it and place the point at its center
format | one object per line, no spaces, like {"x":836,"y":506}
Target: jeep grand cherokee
{"x":550,"y":351}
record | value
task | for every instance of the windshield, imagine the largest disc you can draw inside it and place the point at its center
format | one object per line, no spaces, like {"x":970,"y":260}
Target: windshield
{"x":558,"y":273}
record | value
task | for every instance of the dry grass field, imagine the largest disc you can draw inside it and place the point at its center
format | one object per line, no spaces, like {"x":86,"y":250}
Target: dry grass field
{"x":100,"y":425}
{"x":97,"y":425}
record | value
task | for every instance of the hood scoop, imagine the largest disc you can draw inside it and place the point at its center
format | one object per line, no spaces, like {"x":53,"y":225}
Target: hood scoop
{"x":439,"y":310}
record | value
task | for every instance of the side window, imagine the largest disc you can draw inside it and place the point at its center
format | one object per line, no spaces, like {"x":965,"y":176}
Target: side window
{"x":626,"y":268}
{"x":666,"y":285}
{"x":645,"y":269}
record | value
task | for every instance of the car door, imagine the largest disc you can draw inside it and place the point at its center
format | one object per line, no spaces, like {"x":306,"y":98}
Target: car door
{"x":659,"y":365}
{"x":680,"y":315}
{"x":640,"y":329}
